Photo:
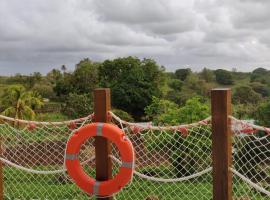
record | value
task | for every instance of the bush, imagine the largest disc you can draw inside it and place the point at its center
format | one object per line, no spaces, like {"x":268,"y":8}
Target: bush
{"x":245,"y":94}
{"x":123,"y":115}
{"x":260,"y":88}
{"x":224,"y":77}
{"x":182,"y":74}
{"x":78,"y":105}
{"x":46,"y":91}
{"x":262,"y":115}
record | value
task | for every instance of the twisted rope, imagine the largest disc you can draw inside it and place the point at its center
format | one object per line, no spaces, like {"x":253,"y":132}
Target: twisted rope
{"x":249,"y":182}
{"x":149,"y":126}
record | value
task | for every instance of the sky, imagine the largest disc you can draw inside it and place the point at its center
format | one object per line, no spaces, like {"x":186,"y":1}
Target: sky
{"x":38,"y":35}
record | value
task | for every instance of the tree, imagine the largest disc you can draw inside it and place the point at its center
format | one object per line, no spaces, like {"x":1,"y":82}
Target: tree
{"x":64,"y":68}
{"x":37,"y":76}
{"x":194,"y":110}
{"x":83,"y":80}
{"x":17,"y":79}
{"x":162,"y":111}
{"x":176,"y":84}
{"x":260,"y":75}
{"x":174,"y":91}
{"x":78,"y":105}
{"x":34,"y":78}
{"x":45,"y":90}
{"x":63,"y":86}
{"x":19,"y":103}
{"x":123,"y":115}
{"x":54,"y":76}
{"x":244,"y":95}
{"x":85,"y":76}
{"x":166,"y":112}
{"x":184,"y":160}
{"x":193,"y":86}
{"x":244,"y":111}
{"x":207,"y":75}
{"x":224,"y":77}
{"x":133,"y":83}
{"x":182,"y":74}
{"x":260,"y":88}
{"x":263,"y":114}
{"x":260,"y":70}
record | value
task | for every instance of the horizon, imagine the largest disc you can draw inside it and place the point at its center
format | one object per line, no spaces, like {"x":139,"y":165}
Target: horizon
{"x":194,"y":69}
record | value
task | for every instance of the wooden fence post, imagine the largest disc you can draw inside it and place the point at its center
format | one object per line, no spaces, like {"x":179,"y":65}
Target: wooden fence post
{"x":102,"y":104}
{"x":221,"y":144}
{"x":1,"y":173}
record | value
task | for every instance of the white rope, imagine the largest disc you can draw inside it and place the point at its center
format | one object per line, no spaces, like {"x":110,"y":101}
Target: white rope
{"x":33,"y":171}
{"x":164,"y":180}
{"x":148,"y":125}
{"x":261,"y":128}
{"x":44,"y":123}
{"x":248,"y":181}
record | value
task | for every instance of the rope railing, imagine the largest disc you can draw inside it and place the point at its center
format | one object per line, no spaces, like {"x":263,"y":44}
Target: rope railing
{"x":68,"y":122}
{"x":59,"y":171}
{"x":252,"y":184}
{"x":149,"y":126}
{"x":175,"y":158}
{"x":251,"y":159}
{"x":30,"y":170}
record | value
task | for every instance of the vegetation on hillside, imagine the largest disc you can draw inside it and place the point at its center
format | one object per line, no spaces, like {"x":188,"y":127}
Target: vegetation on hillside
{"x":140,"y":88}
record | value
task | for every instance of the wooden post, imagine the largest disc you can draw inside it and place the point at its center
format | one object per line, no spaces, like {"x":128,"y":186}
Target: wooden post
{"x":1,"y":174}
{"x":221,"y":144}
{"x":102,"y":105}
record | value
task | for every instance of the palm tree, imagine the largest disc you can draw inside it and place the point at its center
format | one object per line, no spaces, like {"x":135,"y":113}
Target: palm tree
{"x":64,"y":68}
{"x":19,"y":103}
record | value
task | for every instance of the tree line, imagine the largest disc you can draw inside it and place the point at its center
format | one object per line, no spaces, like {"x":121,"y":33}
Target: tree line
{"x":141,"y":90}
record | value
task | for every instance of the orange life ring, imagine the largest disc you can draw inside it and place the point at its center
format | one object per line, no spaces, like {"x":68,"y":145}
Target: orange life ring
{"x":75,"y":170}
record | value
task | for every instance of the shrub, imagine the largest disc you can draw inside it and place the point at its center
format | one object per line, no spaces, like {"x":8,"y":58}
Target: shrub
{"x":78,"y":105}
{"x":223,"y":77}
{"x":46,"y":91}
{"x":123,"y":115}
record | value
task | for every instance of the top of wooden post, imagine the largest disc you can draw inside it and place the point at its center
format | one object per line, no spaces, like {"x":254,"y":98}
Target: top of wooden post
{"x":221,"y":89}
{"x":102,"y":104}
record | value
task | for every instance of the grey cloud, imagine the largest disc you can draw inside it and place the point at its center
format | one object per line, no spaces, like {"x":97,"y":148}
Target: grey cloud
{"x":37,"y":35}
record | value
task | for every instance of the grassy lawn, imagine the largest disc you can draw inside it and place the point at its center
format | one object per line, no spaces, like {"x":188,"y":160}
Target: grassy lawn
{"x":51,"y":117}
{"x":21,"y":185}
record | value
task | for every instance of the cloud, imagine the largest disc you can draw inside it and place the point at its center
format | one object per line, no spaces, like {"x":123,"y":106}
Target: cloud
{"x":37,"y":35}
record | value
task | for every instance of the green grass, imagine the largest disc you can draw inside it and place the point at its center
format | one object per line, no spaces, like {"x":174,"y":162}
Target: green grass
{"x":21,"y":185}
{"x":27,"y":186}
{"x":51,"y":117}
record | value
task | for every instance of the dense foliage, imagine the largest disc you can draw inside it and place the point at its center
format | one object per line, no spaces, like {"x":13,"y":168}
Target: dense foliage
{"x":141,"y":90}
{"x":18,"y":103}
{"x":133,"y":83}
{"x":78,"y":105}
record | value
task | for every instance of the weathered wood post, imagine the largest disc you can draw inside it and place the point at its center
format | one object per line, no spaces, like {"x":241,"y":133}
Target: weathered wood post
{"x":221,"y":144}
{"x":102,"y":105}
